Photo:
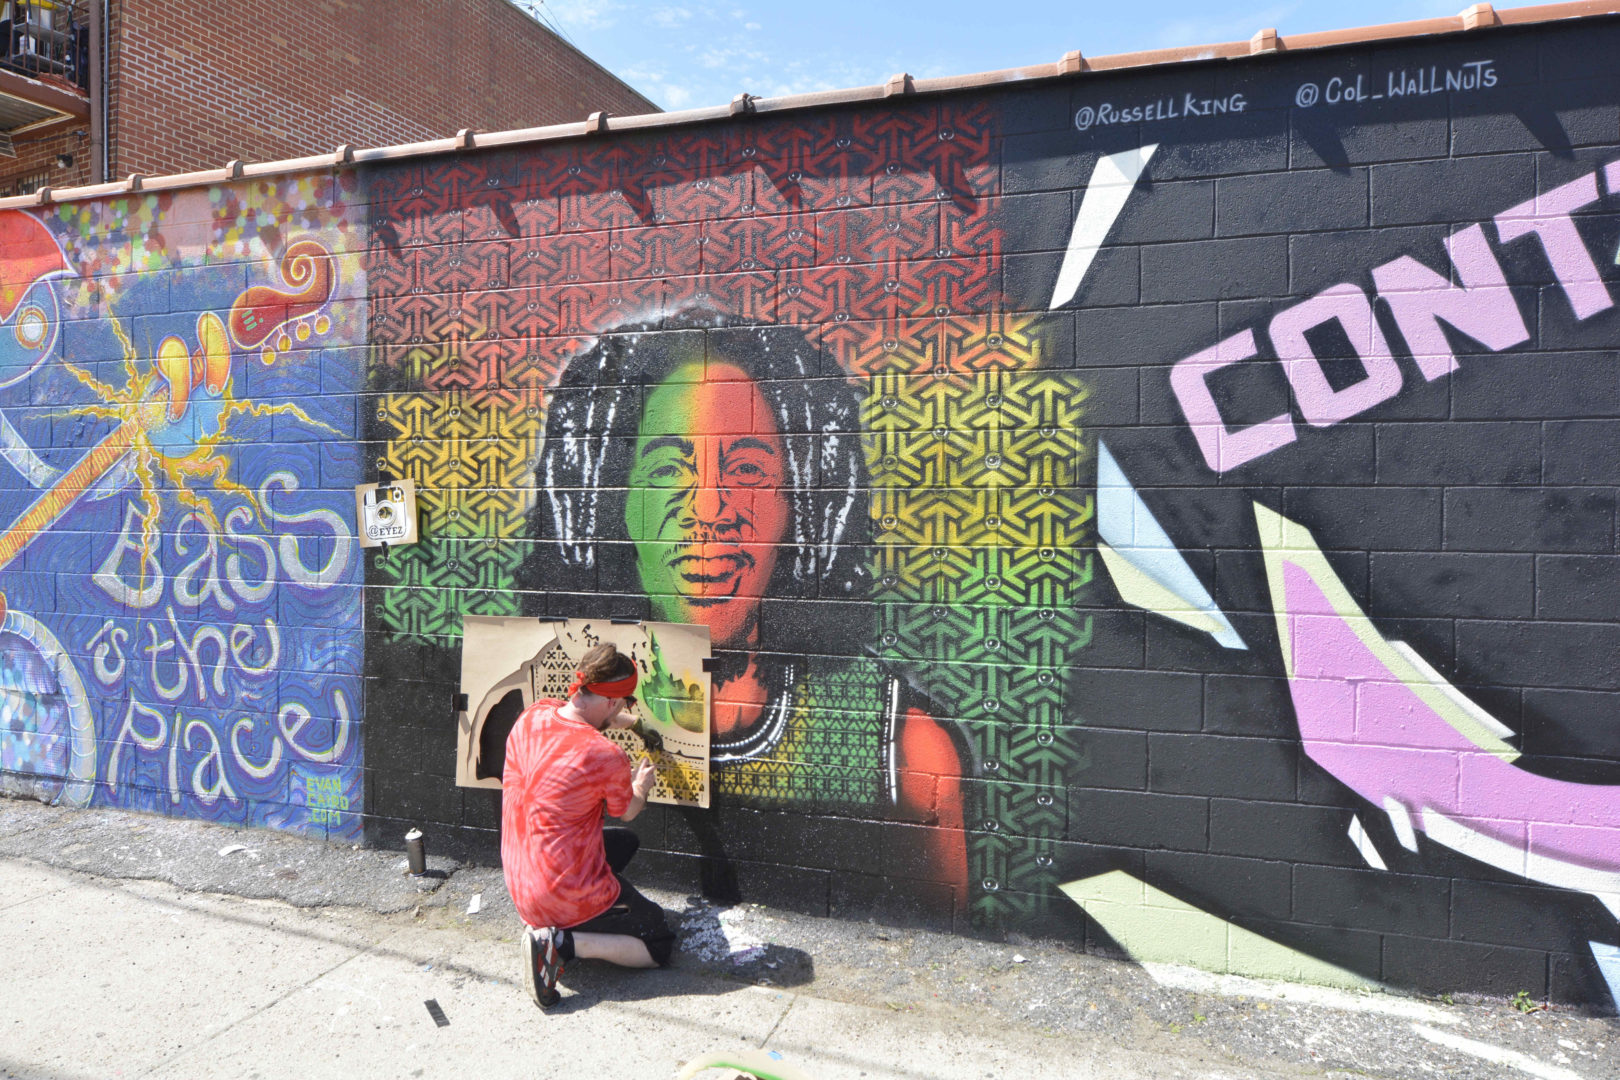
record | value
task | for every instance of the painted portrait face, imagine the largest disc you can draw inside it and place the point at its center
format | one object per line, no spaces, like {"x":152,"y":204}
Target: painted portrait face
{"x":707,"y":506}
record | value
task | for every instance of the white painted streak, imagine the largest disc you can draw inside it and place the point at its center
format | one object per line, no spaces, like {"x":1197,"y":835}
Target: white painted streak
{"x":1112,"y":181}
{"x":1499,"y":1055}
{"x":1602,"y":884}
{"x":1400,"y":819}
{"x":1198,"y":981}
{"x":20,"y":456}
{"x":1364,"y":844}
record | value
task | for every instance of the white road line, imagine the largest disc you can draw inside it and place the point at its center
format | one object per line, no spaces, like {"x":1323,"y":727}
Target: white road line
{"x":1499,"y":1055}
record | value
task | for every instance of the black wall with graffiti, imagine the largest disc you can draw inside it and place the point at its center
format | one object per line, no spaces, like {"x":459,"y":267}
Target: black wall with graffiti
{"x":1193,"y":506}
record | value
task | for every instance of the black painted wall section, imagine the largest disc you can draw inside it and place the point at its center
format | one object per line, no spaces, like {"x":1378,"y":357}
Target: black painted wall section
{"x":1470,"y":516}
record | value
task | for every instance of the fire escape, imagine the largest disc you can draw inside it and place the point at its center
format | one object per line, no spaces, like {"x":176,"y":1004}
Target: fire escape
{"x":45,"y":70}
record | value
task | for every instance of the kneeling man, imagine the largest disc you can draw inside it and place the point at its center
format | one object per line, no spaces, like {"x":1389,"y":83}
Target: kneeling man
{"x":562,"y":866}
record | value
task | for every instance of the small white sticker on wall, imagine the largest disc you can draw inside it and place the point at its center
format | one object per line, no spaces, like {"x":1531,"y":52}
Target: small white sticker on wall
{"x":386,"y":513}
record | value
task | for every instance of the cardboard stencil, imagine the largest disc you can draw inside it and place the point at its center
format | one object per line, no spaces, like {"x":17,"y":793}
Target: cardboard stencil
{"x":507,"y":664}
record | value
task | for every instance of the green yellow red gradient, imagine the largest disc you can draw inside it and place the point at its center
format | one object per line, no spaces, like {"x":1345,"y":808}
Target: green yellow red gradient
{"x":706,"y":506}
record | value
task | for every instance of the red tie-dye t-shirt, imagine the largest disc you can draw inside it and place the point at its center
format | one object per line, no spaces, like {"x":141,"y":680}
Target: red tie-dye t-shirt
{"x":559,"y":776}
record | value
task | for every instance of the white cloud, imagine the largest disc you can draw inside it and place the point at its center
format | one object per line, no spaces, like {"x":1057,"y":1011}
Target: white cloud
{"x":689,"y":53}
{"x":654,"y":81}
{"x":581,"y":14}
{"x":1176,"y":32}
{"x":733,"y":59}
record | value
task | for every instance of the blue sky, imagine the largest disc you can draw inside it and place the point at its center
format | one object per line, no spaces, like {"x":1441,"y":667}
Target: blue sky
{"x":691,"y":53}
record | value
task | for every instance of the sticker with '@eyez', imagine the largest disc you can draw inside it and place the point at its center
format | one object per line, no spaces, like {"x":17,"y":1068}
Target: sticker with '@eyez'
{"x":386,"y":513}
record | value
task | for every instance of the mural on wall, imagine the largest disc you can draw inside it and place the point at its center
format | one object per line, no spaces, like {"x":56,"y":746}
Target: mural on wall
{"x":690,"y":379}
{"x":1376,"y":715}
{"x":1172,"y":510}
{"x":949,"y":421}
{"x":180,"y":584}
{"x":1403,"y":725}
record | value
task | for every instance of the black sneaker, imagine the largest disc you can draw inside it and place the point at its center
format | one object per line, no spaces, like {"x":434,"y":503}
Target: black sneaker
{"x":543,"y":963}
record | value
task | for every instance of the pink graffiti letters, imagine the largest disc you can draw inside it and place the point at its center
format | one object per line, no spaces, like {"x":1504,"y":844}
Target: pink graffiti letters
{"x":1377,"y":717}
{"x":1548,"y":217}
{"x":1482,"y":307}
{"x":1349,"y":307}
{"x":1224,"y":448}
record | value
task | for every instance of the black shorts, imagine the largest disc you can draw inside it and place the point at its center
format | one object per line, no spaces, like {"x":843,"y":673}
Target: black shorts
{"x":634,"y":915}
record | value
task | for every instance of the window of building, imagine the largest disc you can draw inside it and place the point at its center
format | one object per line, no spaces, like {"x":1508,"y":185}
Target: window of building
{"x":24,"y":185}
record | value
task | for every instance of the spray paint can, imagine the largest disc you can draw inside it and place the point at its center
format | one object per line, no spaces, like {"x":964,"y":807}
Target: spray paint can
{"x":415,"y":853}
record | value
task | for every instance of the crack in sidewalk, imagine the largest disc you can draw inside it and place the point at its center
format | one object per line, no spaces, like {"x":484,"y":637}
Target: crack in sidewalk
{"x":254,"y":1013}
{"x":31,"y":899}
{"x":793,"y":1000}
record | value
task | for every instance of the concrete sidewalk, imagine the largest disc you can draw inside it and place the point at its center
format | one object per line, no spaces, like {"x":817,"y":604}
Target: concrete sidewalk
{"x":143,"y":946}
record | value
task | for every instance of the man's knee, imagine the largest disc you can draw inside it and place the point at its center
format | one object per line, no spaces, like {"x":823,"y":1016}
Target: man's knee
{"x":660,"y":947}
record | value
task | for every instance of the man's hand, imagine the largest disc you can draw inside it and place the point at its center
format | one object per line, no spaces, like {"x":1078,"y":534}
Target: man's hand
{"x":643,"y":779}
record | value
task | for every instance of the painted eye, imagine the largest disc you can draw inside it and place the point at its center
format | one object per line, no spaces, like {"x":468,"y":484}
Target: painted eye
{"x":32,"y":327}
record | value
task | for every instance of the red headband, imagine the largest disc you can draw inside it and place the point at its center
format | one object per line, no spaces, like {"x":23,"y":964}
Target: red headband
{"x":618,"y":688}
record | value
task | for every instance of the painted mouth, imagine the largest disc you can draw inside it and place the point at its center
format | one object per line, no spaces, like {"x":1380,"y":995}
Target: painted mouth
{"x":712,"y":576}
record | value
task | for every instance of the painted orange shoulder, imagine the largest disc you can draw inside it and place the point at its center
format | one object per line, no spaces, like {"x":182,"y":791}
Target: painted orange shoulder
{"x":30,"y":253}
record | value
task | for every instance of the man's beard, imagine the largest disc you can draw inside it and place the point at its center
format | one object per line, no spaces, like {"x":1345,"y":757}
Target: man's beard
{"x":732,"y":664}
{"x":729,"y":664}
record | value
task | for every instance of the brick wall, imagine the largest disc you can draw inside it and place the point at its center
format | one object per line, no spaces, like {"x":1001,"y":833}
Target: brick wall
{"x":1171,"y":511}
{"x":39,"y":153}
{"x":196,"y":84}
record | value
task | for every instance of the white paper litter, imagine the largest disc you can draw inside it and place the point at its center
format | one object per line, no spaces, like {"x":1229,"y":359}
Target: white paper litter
{"x":475,"y":904}
{"x":714,"y":934}
{"x":232,"y":849}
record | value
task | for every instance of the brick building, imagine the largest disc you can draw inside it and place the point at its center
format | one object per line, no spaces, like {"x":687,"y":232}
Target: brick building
{"x":92,"y":90}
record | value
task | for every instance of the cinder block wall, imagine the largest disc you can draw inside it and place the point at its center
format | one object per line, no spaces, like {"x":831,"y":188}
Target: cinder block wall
{"x":1168,"y":510}
{"x":195,"y":84}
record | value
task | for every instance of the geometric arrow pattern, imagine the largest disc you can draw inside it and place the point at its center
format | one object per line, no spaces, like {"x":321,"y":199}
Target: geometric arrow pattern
{"x":832,"y":752}
{"x":984,"y":538}
{"x":487,"y":272}
{"x":471,"y":454}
